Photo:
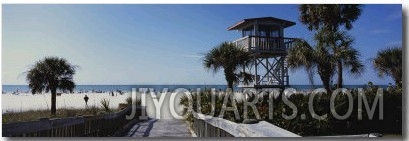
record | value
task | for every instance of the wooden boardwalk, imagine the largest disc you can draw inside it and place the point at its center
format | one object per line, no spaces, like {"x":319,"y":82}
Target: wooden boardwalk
{"x":159,"y":128}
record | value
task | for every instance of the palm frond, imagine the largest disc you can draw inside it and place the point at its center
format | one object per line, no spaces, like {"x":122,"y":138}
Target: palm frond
{"x":49,"y":73}
{"x":388,"y":62}
{"x":228,"y":57}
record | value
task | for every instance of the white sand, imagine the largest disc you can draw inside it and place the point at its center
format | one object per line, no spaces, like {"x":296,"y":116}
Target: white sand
{"x":24,"y":102}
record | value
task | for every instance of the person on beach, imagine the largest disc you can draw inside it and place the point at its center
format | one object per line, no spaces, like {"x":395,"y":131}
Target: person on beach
{"x":86,"y":100}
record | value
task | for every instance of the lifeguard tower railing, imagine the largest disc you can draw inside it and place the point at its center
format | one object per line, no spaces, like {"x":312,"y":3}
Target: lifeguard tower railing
{"x":265,"y":44}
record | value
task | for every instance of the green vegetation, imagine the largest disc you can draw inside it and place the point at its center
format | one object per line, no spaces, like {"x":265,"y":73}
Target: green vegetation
{"x":326,"y":19}
{"x":329,"y":16}
{"x":231,"y":58}
{"x":324,"y":61}
{"x":391,"y":123}
{"x":389,"y":62}
{"x":50,"y":74}
{"x":313,"y":59}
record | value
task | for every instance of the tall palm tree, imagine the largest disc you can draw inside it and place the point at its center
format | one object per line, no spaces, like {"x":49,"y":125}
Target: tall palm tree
{"x":329,"y":17}
{"x":389,"y":62}
{"x":231,"y":58}
{"x":323,"y":58}
{"x":313,"y":59}
{"x":340,"y":44}
{"x":50,"y":74}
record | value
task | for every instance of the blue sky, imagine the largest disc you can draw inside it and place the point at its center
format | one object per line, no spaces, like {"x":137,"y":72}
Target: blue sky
{"x":161,"y":44}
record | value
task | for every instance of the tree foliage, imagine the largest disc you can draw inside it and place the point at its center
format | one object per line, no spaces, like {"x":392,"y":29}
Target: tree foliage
{"x":326,"y":20}
{"x":389,"y":62}
{"x":231,"y":59}
{"x":50,"y":74}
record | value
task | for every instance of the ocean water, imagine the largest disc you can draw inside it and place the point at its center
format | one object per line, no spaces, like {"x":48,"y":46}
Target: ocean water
{"x":107,"y":88}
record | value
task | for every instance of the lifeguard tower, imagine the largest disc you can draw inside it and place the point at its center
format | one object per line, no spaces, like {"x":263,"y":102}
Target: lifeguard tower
{"x":264,"y":38}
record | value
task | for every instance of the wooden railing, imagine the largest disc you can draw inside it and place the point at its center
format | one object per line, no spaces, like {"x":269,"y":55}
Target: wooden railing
{"x":204,"y":129}
{"x":265,"y":44}
{"x":207,"y":126}
{"x":80,"y":126}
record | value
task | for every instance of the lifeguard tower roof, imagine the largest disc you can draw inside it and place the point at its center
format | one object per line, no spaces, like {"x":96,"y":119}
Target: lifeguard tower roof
{"x":262,"y":20}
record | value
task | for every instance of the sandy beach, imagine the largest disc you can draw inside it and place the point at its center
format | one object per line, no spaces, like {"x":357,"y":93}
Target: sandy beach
{"x":27,"y":101}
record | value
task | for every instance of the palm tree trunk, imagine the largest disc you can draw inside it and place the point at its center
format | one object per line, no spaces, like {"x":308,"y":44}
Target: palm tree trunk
{"x":230,"y":85}
{"x":53,"y":101}
{"x":325,"y":76}
{"x":326,"y":82}
{"x":229,"y":78}
{"x":339,"y":84}
{"x":327,"y":86}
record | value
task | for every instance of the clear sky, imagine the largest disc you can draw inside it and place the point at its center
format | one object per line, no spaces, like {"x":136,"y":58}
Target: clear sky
{"x":161,"y":44}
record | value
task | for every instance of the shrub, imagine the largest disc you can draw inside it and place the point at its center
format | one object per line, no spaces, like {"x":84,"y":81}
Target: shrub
{"x":137,"y":102}
{"x":309,"y":126}
{"x":105,"y":105}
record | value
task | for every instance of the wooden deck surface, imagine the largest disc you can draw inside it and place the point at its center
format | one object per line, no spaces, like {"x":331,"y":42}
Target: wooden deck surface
{"x":159,"y":128}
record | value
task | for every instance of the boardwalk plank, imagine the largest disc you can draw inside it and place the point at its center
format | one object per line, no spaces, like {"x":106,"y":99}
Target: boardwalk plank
{"x":159,"y":128}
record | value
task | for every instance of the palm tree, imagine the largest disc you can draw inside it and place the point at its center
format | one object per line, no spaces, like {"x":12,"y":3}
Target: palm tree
{"x":340,"y":44}
{"x":231,"y":58}
{"x":389,"y":62}
{"x":323,"y":59}
{"x":50,"y":74}
{"x":313,"y":59}
{"x":329,"y":17}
